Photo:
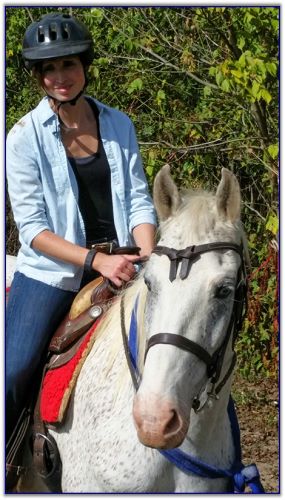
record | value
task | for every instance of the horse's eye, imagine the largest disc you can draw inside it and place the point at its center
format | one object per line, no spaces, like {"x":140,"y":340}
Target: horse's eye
{"x":148,"y":284}
{"x":222,"y":291}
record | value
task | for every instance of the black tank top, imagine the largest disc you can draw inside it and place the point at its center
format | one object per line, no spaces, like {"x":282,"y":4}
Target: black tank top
{"x":95,"y":198}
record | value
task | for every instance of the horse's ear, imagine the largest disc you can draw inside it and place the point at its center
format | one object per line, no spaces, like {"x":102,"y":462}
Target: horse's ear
{"x":228,"y":196}
{"x":165,"y":194}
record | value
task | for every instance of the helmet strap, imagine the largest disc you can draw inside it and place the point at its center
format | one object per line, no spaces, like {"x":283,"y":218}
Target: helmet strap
{"x":71,"y":101}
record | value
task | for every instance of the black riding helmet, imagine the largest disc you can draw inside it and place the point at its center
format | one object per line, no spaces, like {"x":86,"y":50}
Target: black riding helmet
{"x":56,"y":35}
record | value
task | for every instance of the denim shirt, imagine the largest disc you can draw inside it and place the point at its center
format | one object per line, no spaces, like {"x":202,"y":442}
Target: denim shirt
{"x":44,"y":193}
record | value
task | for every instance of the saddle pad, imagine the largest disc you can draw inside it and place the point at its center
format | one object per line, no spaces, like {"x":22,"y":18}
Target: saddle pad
{"x":59,"y":382}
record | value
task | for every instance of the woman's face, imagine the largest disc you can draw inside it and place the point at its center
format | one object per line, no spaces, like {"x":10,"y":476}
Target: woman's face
{"x":63,"y":78}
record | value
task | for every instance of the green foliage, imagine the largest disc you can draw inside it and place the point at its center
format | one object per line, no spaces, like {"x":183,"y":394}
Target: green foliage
{"x":201,"y":85}
{"x":258,"y":342}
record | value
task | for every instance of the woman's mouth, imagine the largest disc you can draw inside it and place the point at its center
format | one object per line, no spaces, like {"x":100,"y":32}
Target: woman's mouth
{"x":64,"y":89}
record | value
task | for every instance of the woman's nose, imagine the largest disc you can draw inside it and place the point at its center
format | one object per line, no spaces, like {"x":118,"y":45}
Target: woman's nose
{"x":60,"y":76}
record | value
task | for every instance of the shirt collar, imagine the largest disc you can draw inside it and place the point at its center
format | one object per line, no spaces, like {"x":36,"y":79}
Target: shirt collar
{"x":46,"y":113}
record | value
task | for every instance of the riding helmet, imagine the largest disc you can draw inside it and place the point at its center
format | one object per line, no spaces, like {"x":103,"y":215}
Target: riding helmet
{"x":57,"y":35}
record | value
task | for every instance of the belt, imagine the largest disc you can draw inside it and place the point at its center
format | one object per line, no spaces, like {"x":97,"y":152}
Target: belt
{"x":112,"y":247}
{"x":104,"y":247}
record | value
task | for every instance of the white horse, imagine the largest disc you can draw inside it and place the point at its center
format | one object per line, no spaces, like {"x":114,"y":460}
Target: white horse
{"x":115,"y":438}
{"x":10,"y":269}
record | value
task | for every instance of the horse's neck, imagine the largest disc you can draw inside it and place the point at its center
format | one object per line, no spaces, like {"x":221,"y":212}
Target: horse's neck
{"x":210,"y":420}
{"x":210,"y":429}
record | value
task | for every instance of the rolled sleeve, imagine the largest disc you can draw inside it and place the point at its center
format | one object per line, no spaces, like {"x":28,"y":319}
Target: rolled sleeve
{"x":139,"y":204}
{"x":25,"y":185}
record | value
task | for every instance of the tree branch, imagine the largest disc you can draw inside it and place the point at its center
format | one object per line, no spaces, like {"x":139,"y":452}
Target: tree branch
{"x":164,"y":61}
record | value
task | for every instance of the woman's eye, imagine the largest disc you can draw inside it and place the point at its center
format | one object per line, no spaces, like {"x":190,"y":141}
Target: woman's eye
{"x":68,"y":64}
{"x":223,"y":291}
{"x":48,"y":68}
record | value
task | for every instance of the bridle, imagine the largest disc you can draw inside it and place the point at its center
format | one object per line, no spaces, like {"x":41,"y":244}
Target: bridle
{"x":213,"y":362}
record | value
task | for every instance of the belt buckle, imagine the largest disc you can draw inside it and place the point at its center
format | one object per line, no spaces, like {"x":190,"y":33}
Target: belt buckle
{"x":107,"y":245}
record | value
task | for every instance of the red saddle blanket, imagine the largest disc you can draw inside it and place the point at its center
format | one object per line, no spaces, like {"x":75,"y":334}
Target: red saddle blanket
{"x":59,"y":382}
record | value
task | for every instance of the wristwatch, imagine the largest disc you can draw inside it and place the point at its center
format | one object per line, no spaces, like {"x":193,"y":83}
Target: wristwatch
{"x":89,"y":260}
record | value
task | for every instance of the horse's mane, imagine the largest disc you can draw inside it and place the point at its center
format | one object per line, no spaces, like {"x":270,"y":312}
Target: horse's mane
{"x":110,"y":326}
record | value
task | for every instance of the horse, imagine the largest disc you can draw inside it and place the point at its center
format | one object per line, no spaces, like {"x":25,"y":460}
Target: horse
{"x":133,"y":405}
{"x":10,"y":269}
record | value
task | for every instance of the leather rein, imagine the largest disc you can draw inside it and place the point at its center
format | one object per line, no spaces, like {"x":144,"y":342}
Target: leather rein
{"x":213,"y":362}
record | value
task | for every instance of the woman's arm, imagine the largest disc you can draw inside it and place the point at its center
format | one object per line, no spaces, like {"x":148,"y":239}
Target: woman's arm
{"x":117,"y":268}
{"x":144,"y":236}
{"x":57,"y":247}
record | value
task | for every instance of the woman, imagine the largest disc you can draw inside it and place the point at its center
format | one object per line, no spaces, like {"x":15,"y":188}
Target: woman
{"x":75,"y":179}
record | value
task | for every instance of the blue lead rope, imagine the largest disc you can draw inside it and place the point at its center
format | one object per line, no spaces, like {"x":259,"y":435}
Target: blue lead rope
{"x":240,"y":475}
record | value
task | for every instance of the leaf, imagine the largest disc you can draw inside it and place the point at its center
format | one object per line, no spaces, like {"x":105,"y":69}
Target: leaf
{"x":255,"y":88}
{"x":219,"y":77}
{"x":225,"y":85}
{"x":273,"y":150}
{"x":241,"y":43}
{"x":272,"y":224}
{"x":266,"y":96}
{"x":212,"y":71}
{"x":160,"y":96}
{"x":271,"y":68}
{"x":242,"y":60}
{"x":248,"y":17}
{"x":237,"y":73}
{"x":207,"y":91}
{"x":136,"y":84}
{"x":149,"y":170}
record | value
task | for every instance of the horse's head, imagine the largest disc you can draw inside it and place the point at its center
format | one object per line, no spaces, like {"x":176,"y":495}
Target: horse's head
{"x":192,"y":279}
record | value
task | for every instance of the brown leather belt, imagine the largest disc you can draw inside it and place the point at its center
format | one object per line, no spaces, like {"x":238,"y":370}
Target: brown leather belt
{"x":104,"y":247}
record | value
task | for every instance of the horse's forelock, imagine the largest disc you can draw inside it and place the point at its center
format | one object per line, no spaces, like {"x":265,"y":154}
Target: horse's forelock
{"x":197,"y":219}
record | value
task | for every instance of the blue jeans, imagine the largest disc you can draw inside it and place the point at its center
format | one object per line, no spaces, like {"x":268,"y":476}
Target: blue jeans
{"x":34,"y":310}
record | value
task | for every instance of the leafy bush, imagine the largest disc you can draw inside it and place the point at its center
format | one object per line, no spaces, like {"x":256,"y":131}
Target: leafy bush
{"x":201,"y":85}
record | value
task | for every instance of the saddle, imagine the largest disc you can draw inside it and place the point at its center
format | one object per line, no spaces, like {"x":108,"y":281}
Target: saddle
{"x":87,"y":306}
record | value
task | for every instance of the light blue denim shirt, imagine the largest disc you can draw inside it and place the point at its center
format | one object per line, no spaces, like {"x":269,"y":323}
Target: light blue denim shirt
{"x":44,"y":193}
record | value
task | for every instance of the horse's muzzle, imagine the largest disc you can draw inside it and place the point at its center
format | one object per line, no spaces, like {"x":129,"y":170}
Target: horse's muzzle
{"x":159,"y":423}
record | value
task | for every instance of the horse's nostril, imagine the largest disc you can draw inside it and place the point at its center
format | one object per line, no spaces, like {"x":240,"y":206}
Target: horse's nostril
{"x":173,"y":424}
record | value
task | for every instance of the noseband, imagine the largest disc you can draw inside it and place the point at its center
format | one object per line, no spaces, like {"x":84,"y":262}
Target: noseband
{"x":186,"y":257}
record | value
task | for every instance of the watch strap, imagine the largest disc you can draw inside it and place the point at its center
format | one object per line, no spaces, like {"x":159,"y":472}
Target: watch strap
{"x":89,"y":260}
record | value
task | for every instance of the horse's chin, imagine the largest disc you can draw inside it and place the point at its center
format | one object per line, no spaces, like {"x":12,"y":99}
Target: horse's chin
{"x":152,"y":440}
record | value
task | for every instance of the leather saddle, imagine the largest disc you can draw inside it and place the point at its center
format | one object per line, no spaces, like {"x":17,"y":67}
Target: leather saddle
{"x":90,"y":302}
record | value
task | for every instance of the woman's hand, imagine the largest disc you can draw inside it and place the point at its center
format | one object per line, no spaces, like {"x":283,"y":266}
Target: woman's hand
{"x":117,"y":268}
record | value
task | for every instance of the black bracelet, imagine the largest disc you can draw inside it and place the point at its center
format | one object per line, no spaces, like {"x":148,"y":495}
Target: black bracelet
{"x":89,"y":260}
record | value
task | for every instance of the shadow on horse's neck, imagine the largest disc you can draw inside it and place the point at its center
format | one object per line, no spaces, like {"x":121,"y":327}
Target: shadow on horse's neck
{"x":208,"y":428}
